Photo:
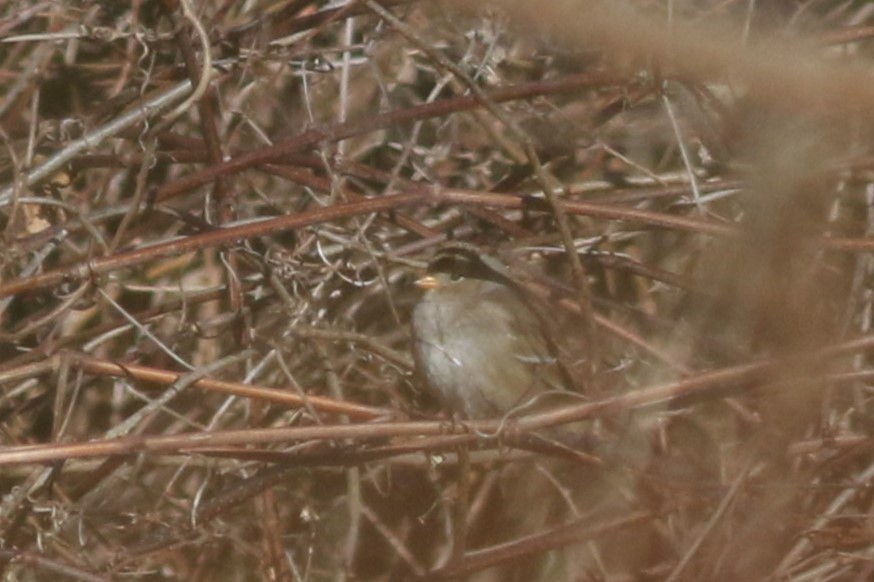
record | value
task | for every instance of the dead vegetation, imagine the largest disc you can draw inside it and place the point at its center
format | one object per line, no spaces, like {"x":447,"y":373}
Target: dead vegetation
{"x":212,"y":215}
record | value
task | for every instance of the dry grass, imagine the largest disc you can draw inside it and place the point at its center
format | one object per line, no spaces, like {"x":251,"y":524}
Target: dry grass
{"x":205,"y":285}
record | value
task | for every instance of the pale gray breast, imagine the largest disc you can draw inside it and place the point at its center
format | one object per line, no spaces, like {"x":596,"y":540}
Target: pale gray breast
{"x":480,"y":348}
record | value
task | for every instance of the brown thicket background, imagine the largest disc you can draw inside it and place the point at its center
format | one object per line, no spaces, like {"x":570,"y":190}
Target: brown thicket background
{"x":213,"y":212}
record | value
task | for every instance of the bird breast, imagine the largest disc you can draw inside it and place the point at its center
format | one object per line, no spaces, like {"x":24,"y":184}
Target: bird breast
{"x":480,"y":349}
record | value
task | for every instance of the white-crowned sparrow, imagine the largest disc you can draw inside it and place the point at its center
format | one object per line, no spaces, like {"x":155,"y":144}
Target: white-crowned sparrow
{"x":479,"y":344}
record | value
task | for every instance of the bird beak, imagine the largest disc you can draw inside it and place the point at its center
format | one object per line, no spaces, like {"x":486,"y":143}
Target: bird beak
{"x":427,"y":282}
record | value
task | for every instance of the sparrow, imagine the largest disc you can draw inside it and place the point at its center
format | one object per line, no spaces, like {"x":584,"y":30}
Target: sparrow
{"x":479,"y":344}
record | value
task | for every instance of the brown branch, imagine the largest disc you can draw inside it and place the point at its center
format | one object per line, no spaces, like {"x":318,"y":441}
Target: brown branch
{"x":552,"y":539}
{"x":738,"y":378}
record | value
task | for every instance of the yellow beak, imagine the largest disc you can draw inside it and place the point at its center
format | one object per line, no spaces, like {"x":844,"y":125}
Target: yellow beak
{"x":427,"y":282}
